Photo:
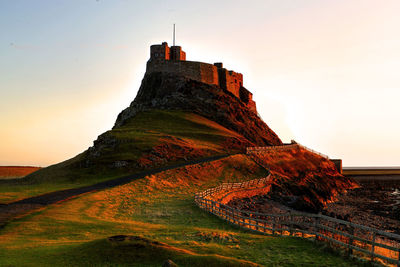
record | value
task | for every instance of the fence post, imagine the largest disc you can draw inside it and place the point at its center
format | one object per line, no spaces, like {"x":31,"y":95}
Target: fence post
{"x":373,"y":247}
{"x":273,"y":225}
{"x":316,"y":226}
{"x":291,"y":224}
{"x":256,"y":223}
{"x":398,"y":263}
{"x":244,"y":218}
{"x":351,"y":232}
{"x":265,"y":226}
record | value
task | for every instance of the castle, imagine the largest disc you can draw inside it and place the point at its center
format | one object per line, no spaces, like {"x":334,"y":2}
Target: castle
{"x":173,"y":60}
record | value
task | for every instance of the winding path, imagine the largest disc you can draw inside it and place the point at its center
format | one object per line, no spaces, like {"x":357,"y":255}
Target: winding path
{"x":21,"y":207}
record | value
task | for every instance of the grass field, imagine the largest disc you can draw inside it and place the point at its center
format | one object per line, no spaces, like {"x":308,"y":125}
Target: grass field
{"x":12,"y":172}
{"x":16,"y":190}
{"x":160,"y":213}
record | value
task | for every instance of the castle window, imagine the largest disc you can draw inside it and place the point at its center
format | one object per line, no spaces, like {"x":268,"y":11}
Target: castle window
{"x":235,"y":81}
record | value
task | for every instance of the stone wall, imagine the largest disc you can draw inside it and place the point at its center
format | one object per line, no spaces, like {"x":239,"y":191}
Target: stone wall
{"x":199,"y":71}
{"x":177,"y":53}
{"x":234,"y":81}
{"x":209,"y":73}
{"x":160,"y":51}
{"x":230,"y":80}
{"x":247,"y":98}
{"x":173,"y":60}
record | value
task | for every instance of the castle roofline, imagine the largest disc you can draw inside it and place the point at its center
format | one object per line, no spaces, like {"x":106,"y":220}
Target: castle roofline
{"x":173,"y":60}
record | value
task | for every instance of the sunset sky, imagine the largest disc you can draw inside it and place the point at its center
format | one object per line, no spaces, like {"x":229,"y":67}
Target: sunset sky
{"x":325,"y":73}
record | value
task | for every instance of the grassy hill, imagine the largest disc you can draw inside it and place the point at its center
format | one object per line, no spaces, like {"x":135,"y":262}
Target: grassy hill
{"x":150,"y":139}
{"x":153,"y":219}
{"x":147,"y":140}
{"x":159,"y":215}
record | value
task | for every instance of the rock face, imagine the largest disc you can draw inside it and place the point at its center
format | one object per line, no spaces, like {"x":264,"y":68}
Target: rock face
{"x":161,"y":90}
{"x":300,"y":179}
{"x":172,"y":119}
{"x":164,"y":91}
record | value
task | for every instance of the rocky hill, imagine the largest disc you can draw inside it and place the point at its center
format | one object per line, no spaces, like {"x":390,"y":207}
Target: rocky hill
{"x":172,"y":119}
{"x":162,"y":90}
{"x":300,"y":179}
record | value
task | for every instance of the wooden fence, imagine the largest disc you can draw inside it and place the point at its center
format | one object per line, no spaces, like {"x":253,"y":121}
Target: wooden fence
{"x":358,"y":240}
{"x":256,"y":150}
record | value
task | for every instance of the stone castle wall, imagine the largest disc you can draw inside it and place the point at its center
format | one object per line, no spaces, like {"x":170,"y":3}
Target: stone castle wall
{"x":230,"y":80}
{"x":160,"y":51}
{"x":173,"y":60}
{"x":206,"y":73}
{"x":247,"y":98}
{"x":199,"y":71}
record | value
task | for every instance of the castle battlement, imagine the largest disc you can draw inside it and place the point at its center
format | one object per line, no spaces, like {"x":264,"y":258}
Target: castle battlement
{"x":173,"y":60}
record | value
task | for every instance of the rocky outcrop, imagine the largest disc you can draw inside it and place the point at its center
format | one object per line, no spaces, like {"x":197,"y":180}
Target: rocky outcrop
{"x":169,"y":91}
{"x":161,"y":90}
{"x":300,"y":179}
{"x":172,"y":119}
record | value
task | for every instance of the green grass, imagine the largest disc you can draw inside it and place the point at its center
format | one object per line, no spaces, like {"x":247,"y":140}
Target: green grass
{"x":138,"y":136}
{"x":104,"y":253}
{"x":17,"y":190}
{"x":146,"y":130}
{"x":157,"y":208}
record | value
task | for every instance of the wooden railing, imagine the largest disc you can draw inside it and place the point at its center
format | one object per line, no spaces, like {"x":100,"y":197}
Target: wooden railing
{"x":229,"y":187}
{"x":256,"y":150}
{"x":359,"y":240}
{"x":313,"y":151}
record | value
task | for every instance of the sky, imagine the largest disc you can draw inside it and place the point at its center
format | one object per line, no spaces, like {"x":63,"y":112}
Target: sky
{"x":324,"y":73}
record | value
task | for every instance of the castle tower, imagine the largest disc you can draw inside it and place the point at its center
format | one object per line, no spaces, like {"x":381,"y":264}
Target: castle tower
{"x":177,"y":53}
{"x":161,"y":51}
{"x":164,"y":52}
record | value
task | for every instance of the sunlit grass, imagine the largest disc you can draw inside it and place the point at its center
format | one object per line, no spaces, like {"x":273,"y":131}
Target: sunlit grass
{"x":17,"y":190}
{"x":161,"y":208}
{"x":12,"y":172}
{"x":137,"y":137}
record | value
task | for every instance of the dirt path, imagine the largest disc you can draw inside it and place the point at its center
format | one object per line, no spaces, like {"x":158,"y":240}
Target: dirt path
{"x":21,"y":207}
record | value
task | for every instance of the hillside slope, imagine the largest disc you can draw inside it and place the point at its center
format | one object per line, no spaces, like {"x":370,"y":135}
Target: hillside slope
{"x":161,"y":221}
{"x":173,"y":92}
{"x":172,"y":119}
{"x":150,"y":139}
{"x":300,"y":179}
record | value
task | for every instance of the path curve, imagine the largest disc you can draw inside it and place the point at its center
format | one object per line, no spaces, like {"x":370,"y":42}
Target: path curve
{"x":20,"y":207}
